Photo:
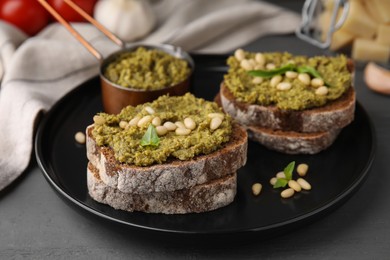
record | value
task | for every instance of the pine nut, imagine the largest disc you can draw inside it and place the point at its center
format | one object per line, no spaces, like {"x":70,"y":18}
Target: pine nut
{"x":322,"y":91}
{"x":294,"y":185}
{"x":189,"y":123}
{"x":246,"y":65}
{"x":99,"y":120}
{"x":253,"y":63}
{"x":275,"y":80}
{"x":150,"y":110}
{"x":280,"y":175}
{"x":170,"y":126}
{"x":239,"y":54}
{"x":284,"y":86}
{"x":123,"y":124}
{"x":134,"y":121}
{"x":257,"y":80}
{"x":156,"y":121}
{"x":180,"y":124}
{"x":260,"y":59}
{"x":317,"y":82}
{"x":270,"y":66}
{"x":220,"y":115}
{"x":259,"y":67}
{"x":304,"y":184}
{"x":161,"y":130}
{"x":273,"y":180}
{"x":302,"y":169}
{"x":256,"y":188}
{"x":287,"y":193}
{"x":143,"y":121}
{"x":182,"y":131}
{"x":80,"y":137}
{"x":215,"y":123}
{"x":291,"y":74}
{"x":304,"y":78}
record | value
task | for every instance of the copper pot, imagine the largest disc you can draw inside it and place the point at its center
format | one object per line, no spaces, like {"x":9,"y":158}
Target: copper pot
{"x":115,"y":97}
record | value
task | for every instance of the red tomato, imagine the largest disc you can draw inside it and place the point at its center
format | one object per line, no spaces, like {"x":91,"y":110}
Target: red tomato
{"x":68,"y":13}
{"x":27,"y":15}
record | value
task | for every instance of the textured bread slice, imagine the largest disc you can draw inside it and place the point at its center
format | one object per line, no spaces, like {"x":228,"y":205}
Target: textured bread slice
{"x":334,"y":115}
{"x":172,"y":175}
{"x":200,"y":198}
{"x":293,"y":142}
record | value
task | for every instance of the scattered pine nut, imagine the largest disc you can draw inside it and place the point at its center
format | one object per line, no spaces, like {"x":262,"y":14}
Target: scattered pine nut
{"x":322,"y":91}
{"x":270,"y":66}
{"x":284,"y":86}
{"x":215,"y":123}
{"x":294,"y":185}
{"x":246,"y":65}
{"x":134,"y":121}
{"x":291,"y":74}
{"x":143,"y":121}
{"x":180,"y":124}
{"x":149,"y":110}
{"x":304,"y":184}
{"x":123,"y":124}
{"x":280,"y":175}
{"x":239,"y":54}
{"x":260,"y":59}
{"x":161,"y":130}
{"x":287,"y":193}
{"x":99,"y":120}
{"x":256,"y":188}
{"x":212,"y":115}
{"x":80,"y":137}
{"x":170,"y":126}
{"x":302,"y":169}
{"x":317,"y":82}
{"x":189,"y":123}
{"x":182,"y":131}
{"x":156,"y":121}
{"x":273,"y":180}
{"x":304,"y":78}
{"x":257,"y":80}
{"x":275,"y":80}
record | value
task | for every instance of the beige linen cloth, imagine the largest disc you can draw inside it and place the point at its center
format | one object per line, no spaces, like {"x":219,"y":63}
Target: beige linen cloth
{"x":38,"y":71}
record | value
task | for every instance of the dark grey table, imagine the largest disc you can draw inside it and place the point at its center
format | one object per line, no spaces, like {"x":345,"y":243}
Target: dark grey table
{"x":36,"y":224}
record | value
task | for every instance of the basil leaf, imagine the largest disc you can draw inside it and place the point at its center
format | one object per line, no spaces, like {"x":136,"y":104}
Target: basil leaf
{"x":150,"y":137}
{"x":309,"y":70}
{"x":288,"y":171}
{"x":280,"y":182}
{"x":270,"y":73}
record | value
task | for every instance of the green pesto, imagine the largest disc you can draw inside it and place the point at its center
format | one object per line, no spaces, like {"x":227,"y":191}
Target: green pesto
{"x":147,"y":69}
{"x":126,"y":143}
{"x":333,"y":70}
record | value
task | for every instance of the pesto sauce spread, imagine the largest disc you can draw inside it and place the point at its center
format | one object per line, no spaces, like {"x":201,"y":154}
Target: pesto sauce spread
{"x":126,"y":142}
{"x":147,"y":69}
{"x":333,"y":70}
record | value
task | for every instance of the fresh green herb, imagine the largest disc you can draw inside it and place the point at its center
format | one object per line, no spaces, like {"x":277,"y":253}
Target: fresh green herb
{"x":280,"y":182}
{"x":309,"y":70}
{"x":270,"y":73}
{"x":289,"y":67}
{"x":288,"y":171}
{"x":150,"y":137}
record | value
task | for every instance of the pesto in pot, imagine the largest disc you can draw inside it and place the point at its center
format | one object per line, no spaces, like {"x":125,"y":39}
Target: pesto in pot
{"x":147,"y":69}
{"x":333,"y":70}
{"x":126,"y":142}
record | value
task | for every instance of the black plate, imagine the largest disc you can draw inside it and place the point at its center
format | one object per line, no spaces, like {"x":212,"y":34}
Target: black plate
{"x":335,"y":174}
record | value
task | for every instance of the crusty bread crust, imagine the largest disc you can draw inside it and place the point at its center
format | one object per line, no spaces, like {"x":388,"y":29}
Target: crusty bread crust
{"x":293,"y":142}
{"x":172,"y":175}
{"x":200,"y":198}
{"x":335,"y":114}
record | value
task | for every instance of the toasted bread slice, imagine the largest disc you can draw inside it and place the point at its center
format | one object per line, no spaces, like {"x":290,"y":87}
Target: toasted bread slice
{"x":172,"y":175}
{"x":200,"y":198}
{"x":291,"y":142}
{"x":334,"y":115}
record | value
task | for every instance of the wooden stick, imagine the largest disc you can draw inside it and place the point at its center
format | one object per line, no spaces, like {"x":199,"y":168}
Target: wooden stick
{"x":80,"y":38}
{"x":98,"y":25}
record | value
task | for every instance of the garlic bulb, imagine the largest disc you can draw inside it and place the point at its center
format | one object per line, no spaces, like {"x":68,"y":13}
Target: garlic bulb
{"x":128,"y":19}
